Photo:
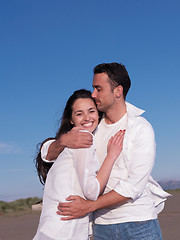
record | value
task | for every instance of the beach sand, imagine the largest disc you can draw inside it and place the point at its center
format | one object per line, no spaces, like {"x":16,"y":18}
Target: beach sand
{"x":24,"y":227}
{"x":169,"y":218}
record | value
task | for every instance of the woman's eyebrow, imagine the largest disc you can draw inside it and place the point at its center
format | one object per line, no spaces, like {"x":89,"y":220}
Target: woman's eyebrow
{"x":78,"y":111}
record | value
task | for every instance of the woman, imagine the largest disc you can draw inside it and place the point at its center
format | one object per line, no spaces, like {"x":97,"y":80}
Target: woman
{"x":74,"y":171}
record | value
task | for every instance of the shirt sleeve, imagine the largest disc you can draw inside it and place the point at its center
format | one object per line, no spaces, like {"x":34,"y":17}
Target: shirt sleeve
{"x":44,"y":150}
{"x":140,"y":160}
{"x":86,"y":165}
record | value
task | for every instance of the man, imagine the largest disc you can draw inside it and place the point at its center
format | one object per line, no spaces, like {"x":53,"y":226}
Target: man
{"x":132,"y":199}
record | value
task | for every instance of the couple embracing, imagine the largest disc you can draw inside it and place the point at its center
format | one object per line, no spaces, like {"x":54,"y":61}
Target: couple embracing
{"x":103,"y":155}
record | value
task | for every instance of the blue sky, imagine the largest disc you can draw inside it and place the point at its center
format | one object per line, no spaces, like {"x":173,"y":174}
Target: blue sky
{"x":48,"y":49}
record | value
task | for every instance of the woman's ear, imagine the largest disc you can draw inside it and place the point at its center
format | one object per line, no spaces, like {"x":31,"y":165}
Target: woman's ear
{"x":71,"y":122}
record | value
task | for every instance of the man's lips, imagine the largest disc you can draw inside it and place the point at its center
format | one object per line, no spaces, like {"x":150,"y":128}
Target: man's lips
{"x":97,"y":102}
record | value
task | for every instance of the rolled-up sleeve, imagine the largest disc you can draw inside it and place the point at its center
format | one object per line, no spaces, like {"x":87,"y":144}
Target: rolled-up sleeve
{"x":44,"y":150}
{"x":86,"y":165}
{"x":139,"y":157}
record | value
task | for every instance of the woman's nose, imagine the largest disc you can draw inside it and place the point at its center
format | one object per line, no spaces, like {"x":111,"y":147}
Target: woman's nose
{"x":86,"y":117}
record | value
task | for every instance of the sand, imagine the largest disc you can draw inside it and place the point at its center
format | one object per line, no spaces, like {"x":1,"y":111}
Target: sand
{"x":24,"y":227}
{"x":169,"y":218}
{"x":18,"y":227}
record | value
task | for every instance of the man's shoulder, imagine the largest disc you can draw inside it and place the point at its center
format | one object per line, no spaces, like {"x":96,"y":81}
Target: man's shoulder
{"x":143,"y":121}
{"x":141,"y":125}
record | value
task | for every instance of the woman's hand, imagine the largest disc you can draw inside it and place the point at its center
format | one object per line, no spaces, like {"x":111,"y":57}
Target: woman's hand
{"x":115,"y":145}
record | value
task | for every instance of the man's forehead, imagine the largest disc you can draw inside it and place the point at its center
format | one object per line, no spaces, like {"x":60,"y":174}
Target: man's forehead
{"x":100,"y":79}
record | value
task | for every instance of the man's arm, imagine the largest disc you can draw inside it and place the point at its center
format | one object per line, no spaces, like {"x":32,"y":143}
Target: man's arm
{"x":79,"y":207}
{"x":72,"y":139}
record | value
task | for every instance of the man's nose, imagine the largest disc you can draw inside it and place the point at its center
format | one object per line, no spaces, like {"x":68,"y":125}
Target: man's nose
{"x":93,"y":93}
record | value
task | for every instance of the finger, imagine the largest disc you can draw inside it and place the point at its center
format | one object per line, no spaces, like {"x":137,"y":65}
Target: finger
{"x":71,"y":197}
{"x":116,"y":138}
{"x":85,"y":145}
{"x":110,"y":140}
{"x":63,"y":213}
{"x":119,"y":132}
{"x":64,"y":204}
{"x":87,"y":141}
{"x":120,"y":141}
{"x":67,"y":218}
{"x":63,"y":210}
{"x":85,"y":134}
{"x":119,"y":135}
{"x":78,"y":128}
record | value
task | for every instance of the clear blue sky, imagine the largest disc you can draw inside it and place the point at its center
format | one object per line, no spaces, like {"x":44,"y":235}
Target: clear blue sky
{"x":48,"y":49}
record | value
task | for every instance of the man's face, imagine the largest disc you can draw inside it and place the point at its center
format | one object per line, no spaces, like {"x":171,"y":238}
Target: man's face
{"x":103,"y":94}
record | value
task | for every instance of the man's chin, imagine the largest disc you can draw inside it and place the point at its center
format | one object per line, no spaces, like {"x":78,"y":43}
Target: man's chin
{"x":100,"y":108}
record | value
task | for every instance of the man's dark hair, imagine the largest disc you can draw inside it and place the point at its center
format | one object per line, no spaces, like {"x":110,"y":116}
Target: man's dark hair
{"x":117,"y":74}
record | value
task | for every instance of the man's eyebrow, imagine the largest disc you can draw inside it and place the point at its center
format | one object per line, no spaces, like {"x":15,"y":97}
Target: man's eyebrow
{"x":96,"y":86}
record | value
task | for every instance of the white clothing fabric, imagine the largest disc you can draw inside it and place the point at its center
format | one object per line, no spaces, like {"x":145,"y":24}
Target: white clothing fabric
{"x":130,"y":176}
{"x":73,"y":173}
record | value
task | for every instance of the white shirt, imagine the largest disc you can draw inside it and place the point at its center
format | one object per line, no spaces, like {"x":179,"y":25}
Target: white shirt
{"x":130,"y":176}
{"x":73,"y":173}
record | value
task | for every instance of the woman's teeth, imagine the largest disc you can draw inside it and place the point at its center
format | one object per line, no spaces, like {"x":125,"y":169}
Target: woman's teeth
{"x":87,"y":124}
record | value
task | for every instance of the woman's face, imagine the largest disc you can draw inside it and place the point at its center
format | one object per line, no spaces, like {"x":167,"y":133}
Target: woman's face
{"x":85,"y":114}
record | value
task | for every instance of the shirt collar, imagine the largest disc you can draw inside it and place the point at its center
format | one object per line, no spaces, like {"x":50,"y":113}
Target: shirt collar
{"x":133,"y":111}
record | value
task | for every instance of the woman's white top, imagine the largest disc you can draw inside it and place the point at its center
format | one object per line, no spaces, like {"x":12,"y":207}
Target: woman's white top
{"x":73,"y":173}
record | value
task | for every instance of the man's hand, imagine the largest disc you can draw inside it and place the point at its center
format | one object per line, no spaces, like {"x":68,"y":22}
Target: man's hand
{"x":79,"y":207}
{"x":75,"y":208}
{"x":73,"y":139}
{"x":77,"y":139}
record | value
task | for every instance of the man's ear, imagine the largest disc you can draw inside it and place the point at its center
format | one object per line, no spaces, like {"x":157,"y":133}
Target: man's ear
{"x":119,"y":91}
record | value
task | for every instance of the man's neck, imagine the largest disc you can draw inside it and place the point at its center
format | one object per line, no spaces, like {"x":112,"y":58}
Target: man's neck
{"x":114,"y":114}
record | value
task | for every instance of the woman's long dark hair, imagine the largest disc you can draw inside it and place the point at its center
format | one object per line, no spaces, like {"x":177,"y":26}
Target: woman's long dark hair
{"x":43,"y":167}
